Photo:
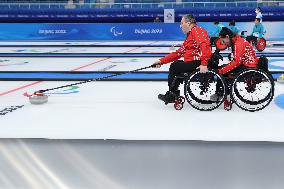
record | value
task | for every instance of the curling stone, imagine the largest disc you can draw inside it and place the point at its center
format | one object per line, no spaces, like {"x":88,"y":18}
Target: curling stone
{"x":38,"y":98}
{"x":280,"y":79}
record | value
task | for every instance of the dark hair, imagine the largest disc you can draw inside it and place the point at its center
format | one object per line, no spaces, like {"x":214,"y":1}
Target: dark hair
{"x":216,"y":22}
{"x":258,"y":8}
{"x":189,"y":18}
{"x":258,"y":19}
{"x":232,"y":23}
{"x":226,"y":31}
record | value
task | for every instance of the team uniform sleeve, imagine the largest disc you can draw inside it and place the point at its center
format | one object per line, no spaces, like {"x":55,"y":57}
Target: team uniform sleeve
{"x":239,"y":51}
{"x":201,"y":38}
{"x":174,"y":55}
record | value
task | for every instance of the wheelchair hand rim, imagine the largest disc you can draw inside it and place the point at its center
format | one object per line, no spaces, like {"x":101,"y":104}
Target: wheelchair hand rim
{"x":190,"y":97}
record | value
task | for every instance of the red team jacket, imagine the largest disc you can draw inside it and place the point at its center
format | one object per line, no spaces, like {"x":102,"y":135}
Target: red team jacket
{"x":244,"y":54}
{"x":195,"y":47}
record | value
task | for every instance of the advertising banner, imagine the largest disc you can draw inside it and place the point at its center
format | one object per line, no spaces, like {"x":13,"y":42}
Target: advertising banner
{"x":117,"y":31}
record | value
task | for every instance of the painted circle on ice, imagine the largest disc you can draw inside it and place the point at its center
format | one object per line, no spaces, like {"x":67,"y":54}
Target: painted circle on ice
{"x":279,"y":101}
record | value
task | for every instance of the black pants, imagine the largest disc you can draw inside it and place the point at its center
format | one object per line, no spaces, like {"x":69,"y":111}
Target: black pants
{"x":228,"y":80}
{"x":251,"y":38}
{"x":177,"y":68}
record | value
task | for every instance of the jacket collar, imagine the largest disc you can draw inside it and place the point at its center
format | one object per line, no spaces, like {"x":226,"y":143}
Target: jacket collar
{"x":190,"y":30}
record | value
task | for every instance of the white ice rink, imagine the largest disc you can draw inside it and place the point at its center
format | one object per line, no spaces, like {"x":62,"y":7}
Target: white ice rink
{"x":122,"y":110}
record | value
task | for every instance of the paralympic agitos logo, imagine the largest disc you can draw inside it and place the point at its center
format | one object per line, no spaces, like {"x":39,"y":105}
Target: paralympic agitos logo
{"x":115,"y":31}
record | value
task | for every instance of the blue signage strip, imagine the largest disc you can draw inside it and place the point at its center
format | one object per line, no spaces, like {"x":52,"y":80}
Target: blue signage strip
{"x":117,"y":31}
{"x":137,"y":31}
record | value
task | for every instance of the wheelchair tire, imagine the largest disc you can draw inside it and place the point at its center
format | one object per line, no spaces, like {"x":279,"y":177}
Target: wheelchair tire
{"x":198,"y":88}
{"x":249,"y":85}
{"x":260,"y":44}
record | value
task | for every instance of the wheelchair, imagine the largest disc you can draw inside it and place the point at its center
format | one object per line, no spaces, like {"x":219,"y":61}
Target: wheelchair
{"x":251,"y":89}
{"x":260,"y":44}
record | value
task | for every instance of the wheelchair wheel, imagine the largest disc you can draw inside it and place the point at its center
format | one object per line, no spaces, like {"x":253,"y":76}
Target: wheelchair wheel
{"x":199,"y":87}
{"x":252,"y":90}
{"x":260,"y":44}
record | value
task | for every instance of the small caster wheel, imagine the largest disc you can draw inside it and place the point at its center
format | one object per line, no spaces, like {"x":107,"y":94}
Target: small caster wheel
{"x":178,"y":106}
{"x":181,"y":99}
{"x":227,"y":105}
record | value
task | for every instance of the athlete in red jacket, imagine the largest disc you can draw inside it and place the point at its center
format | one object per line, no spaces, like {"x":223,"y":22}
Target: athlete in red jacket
{"x":196,"y":51}
{"x":244,"y":57}
{"x":243,"y":51}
